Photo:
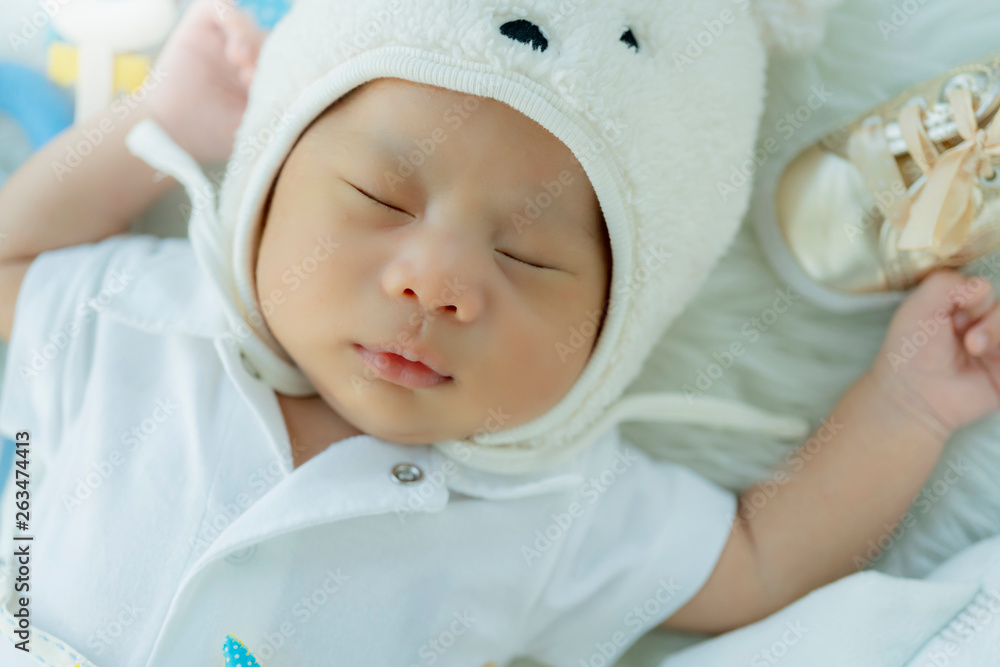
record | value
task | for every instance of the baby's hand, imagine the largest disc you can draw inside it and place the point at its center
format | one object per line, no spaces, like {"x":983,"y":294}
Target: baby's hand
{"x":207,"y":65}
{"x":941,"y":350}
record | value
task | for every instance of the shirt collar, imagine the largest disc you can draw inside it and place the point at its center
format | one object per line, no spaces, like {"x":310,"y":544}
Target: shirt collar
{"x":496,"y":486}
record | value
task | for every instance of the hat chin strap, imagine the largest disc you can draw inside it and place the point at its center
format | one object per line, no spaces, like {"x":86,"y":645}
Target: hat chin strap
{"x":650,"y":407}
{"x":149,"y":142}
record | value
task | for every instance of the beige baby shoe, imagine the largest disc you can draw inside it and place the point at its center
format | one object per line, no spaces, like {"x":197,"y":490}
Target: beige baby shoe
{"x":904,"y":189}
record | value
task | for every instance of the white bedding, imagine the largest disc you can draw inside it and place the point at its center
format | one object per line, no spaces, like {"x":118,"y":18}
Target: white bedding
{"x":873,"y":619}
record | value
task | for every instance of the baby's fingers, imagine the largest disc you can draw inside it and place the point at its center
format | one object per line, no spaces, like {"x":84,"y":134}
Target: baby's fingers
{"x":984,"y":335}
{"x":974,"y":299}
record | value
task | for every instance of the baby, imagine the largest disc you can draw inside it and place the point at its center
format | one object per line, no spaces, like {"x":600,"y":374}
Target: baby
{"x":330,"y":482}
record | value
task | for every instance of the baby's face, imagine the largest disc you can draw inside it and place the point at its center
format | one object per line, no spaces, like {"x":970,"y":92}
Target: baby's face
{"x":443,"y":265}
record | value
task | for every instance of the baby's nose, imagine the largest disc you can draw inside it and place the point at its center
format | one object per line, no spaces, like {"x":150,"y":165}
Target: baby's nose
{"x":453,"y":296}
{"x":441,"y":277}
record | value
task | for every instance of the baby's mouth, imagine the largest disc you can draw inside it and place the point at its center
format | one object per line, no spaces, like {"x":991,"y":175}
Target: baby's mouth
{"x":399,"y":370}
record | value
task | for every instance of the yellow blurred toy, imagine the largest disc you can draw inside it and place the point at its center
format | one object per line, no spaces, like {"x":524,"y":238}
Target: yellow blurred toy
{"x":105,"y":38}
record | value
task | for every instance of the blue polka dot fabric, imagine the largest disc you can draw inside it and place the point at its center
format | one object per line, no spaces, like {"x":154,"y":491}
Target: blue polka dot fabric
{"x":237,"y":655}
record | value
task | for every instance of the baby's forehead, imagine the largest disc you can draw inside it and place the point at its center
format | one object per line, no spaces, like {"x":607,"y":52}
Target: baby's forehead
{"x":422,"y":137}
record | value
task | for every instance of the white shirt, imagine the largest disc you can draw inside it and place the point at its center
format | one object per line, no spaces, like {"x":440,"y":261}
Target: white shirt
{"x":166,"y":513}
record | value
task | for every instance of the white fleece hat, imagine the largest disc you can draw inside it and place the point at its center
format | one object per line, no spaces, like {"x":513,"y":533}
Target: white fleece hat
{"x":658,"y":100}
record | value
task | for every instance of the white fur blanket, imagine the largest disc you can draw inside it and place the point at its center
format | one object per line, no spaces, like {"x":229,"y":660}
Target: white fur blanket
{"x":802,"y":361}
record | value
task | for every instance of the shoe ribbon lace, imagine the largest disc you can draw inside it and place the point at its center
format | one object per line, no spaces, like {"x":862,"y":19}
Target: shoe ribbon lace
{"x":939,"y":215}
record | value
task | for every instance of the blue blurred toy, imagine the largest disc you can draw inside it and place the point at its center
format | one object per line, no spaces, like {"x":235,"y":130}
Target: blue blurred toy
{"x":267,"y":12}
{"x":40,"y":107}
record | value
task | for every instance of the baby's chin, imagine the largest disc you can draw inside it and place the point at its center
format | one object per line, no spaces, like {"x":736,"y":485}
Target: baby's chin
{"x":390,"y":423}
{"x":408,"y":436}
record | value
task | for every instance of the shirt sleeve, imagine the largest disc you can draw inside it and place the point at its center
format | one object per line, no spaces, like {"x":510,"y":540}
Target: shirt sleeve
{"x":50,"y":353}
{"x":646,"y":536}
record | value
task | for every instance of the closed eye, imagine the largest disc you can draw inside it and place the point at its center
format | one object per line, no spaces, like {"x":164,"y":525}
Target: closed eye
{"x":377,"y":201}
{"x":537,"y":266}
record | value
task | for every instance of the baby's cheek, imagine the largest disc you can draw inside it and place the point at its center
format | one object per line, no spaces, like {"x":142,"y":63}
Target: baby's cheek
{"x":549,"y":365}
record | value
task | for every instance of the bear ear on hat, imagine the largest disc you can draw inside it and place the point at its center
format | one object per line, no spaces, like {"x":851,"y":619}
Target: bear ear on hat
{"x":792,"y":26}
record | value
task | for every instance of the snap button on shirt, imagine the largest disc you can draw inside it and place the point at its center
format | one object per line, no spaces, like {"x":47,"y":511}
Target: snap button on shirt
{"x":406,"y":473}
{"x":242,"y":556}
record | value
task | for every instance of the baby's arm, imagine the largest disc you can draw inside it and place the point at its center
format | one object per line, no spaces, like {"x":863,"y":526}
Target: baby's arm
{"x":862,"y":468}
{"x":54,"y":201}
{"x":43,"y":211}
